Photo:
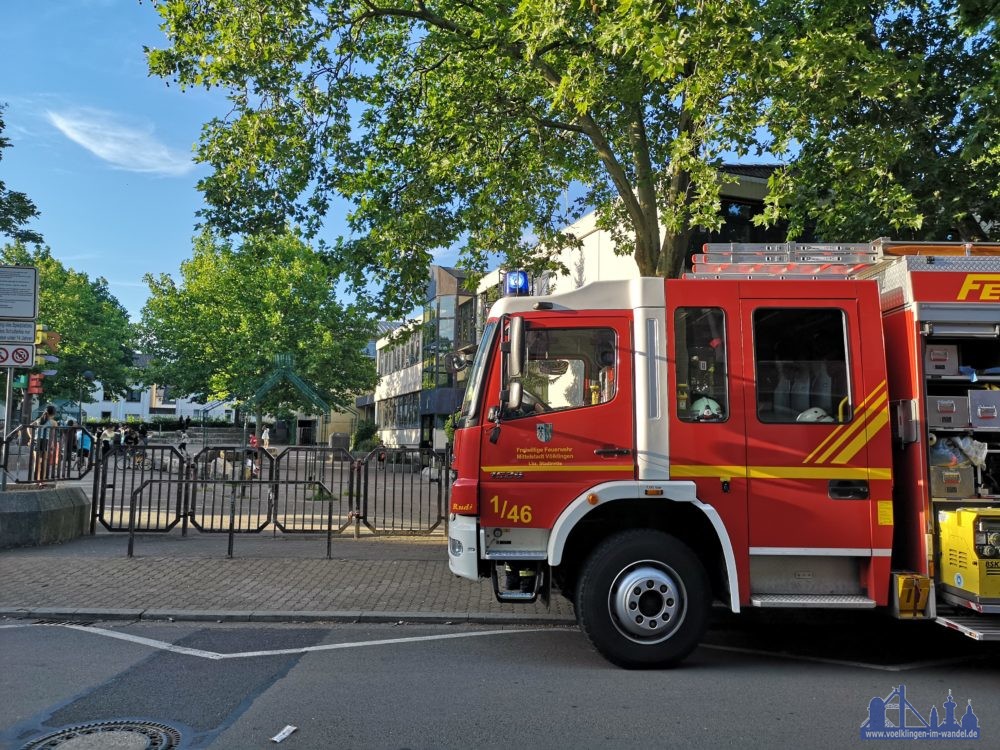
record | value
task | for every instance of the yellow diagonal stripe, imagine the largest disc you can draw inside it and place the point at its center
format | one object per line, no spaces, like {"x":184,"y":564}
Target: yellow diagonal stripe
{"x":875,"y":424}
{"x":836,"y":435}
{"x":843,"y":433}
{"x":858,"y":429}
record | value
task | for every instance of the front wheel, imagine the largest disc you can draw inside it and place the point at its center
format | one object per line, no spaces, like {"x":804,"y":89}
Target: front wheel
{"x":643,"y":599}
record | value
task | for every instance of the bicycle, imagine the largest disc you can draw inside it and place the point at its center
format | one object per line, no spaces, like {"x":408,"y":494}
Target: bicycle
{"x":133,"y":458}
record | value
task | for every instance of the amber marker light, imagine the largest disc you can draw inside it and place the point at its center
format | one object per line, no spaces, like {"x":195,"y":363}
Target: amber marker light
{"x":592,"y":498}
{"x":654,"y":490}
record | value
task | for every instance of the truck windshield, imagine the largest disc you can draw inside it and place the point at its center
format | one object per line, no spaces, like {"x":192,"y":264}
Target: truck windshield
{"x":475,"y":381}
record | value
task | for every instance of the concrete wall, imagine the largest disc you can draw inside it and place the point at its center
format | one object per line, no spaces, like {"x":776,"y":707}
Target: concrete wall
{"x":32,"y":517}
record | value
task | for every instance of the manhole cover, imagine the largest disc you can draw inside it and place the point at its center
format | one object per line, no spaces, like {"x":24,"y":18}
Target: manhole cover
{"x":111,"y":735}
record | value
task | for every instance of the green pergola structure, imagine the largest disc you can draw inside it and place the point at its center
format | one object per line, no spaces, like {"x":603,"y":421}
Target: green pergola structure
{"x":285,"y":371}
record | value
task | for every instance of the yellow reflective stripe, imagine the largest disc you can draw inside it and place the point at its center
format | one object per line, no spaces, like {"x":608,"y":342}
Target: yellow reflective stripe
{"x":781,"y":472}
{"x":858,"y":434}
{"x":561,"y":467}
{"x":702,"y":470}
{"x":876,"y":423}
{"x":836,"y":438}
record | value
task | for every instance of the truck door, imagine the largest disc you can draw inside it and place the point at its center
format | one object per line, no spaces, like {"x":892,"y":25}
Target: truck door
{"x":809,"y":417}
{"x":575,"y":427}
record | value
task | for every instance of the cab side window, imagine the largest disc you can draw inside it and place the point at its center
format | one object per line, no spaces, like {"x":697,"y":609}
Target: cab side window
{"x":800,"y":358}
{"x":568,"y":368}
{"x":700,"y":359}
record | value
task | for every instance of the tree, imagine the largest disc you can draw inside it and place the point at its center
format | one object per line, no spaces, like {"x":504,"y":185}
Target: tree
{"x":467,"y":123}
{"x":216,"y":333}
{"x":95,"y":328}
{"x":916,"y":161}
{"x":16,"y":209}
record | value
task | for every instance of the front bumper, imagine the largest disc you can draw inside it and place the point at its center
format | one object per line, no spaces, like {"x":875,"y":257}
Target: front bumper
{"x":463,"y":547}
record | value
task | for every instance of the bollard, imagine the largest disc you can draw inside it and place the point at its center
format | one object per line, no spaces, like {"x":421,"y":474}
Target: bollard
{"x":232,"y":521}
{"x":131,"y":524}
{"x":329,"y":527}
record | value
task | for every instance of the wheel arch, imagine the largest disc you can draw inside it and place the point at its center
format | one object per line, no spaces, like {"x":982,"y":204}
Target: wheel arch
{"x":616,"y":506}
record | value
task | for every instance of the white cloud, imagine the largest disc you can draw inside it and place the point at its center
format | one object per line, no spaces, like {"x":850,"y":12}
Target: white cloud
{"x":129,"y":147}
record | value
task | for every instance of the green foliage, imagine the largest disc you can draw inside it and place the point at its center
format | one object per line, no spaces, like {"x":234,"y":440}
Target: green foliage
{"x":214,"y":334}
{"x":890,"y":123}
{"x":16,"y":209}
{"x":465,"y":124}
{"x":96,"y":333}
{"x":364,"y":433}
{"x":449,"y":426}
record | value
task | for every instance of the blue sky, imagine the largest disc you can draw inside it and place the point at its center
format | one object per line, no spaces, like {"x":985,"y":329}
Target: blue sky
{"x":103,"y":149}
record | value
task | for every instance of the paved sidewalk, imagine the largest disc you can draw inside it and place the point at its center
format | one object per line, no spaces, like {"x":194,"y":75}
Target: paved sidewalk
{"x":270,"y":578}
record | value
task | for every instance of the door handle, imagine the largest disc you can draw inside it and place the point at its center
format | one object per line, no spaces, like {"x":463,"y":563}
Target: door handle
{"x":848,"y":489}
{"x":611,"y":451}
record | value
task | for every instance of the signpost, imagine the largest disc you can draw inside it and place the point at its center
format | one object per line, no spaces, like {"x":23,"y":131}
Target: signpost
{"x":18,"y":311}
{"x":17,"y":331}
{"x":17,"y":355}
{"x":19,"y":293}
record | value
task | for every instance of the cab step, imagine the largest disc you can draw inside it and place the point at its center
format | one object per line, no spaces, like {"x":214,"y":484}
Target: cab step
{"x":509,"y":595}
{"x":816,"y":601}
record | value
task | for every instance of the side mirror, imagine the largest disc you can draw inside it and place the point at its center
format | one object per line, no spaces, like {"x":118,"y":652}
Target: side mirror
{"x":455,"y":362}
{"x":515,"y":394}
{"x":515,"y":364}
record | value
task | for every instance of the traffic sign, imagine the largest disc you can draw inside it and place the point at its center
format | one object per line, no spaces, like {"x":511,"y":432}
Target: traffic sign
{"x":17,"y":355}
{"x":19,"y":292}
{"x":17,"y":332}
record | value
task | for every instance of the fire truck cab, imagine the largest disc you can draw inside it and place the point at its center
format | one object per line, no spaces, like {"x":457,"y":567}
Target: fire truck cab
{"x":787,"y":426}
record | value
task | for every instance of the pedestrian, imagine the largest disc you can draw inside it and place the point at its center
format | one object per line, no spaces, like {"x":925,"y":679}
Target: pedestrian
{"x":182,"y":442}
{"x":130,"y":439}
{"x":143,"y":434}
{"x":187,"y":423}
{"x":265,"y":438}
{"x":68,"y":446}
{"x":41,"y":430}
{"x":84,"y":441}
{"x":107,"y":440}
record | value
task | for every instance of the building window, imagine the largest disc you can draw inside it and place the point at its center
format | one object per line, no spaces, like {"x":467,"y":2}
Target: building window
{"x":134,"y":395}
{"x":399,"y":412}
{"x":700,"y":359}
{"x":801,"y":365}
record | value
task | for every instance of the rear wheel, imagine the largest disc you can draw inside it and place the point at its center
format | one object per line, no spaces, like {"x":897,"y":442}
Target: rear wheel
{"x":643,"y":599}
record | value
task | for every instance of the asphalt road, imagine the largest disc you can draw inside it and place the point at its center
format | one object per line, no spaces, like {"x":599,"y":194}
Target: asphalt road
{"x":757,"y":682}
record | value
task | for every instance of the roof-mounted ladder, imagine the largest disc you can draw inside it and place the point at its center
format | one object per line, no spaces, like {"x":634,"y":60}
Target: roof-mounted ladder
{"x":816,"y":260}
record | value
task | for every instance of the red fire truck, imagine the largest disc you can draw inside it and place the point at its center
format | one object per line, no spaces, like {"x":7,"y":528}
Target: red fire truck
{"x":787,"y":426}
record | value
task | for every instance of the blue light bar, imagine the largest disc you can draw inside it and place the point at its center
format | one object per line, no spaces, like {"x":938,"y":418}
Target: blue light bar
{"x":516,"y":284}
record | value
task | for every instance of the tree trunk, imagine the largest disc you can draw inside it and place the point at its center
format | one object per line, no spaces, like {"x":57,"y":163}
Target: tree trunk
{"x":674,"y":254}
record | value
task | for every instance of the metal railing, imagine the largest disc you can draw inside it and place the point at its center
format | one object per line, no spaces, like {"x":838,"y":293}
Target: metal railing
{"x":231,"y":489}
{"x":305,"y":489}
{"x":39,"y":455}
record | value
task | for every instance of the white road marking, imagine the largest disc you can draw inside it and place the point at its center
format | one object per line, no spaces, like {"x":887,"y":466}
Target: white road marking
{"x":838,"y":662}
{"x":165,"y":646}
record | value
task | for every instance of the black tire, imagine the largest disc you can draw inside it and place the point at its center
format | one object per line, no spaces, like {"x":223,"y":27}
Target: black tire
{"x":643,"y":599}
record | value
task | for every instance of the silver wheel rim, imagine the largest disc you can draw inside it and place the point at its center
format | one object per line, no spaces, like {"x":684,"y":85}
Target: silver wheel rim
{"x":647,"y":602}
